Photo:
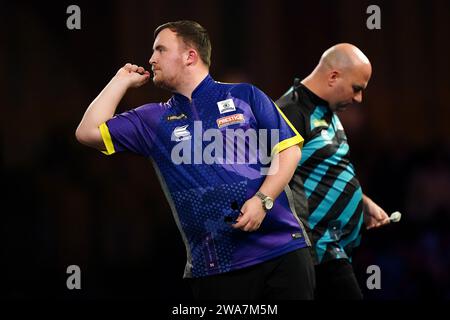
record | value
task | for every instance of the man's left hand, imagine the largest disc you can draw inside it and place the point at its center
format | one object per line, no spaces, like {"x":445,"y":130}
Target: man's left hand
{"x":252,"y":215}
{"x":374,"y":216}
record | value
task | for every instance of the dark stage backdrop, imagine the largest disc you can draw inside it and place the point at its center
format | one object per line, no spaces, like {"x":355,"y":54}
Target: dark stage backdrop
{"x":65,"y":204}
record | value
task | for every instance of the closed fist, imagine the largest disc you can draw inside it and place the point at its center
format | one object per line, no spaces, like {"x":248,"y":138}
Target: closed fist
{"x":134,"y":75}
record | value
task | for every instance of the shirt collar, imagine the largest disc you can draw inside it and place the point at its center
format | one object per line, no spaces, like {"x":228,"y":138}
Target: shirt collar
{"x":315,"y":99}
{"x":198,"y":91}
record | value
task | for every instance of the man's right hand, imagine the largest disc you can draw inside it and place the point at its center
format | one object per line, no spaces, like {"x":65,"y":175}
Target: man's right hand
{"x":133,"y":75}
{"x":103,"y":107}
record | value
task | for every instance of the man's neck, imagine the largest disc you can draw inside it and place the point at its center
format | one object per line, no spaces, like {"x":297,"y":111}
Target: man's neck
{"x":313,"y":84}
{"x":191,"y":82}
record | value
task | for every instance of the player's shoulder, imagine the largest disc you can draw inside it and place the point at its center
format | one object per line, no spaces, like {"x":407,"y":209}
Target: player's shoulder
{"x":287,"y":100}
{"x":146,"y":113}
{"x":152,"y":106}
{"x":243,"y":90}
{"x":238,"y":86}
{"x":150,"y":109}
{"x":291,"y":100}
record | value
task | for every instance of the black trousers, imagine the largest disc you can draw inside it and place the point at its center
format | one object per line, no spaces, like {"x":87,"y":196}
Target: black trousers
{"x":288,"y":277}
{"x":336,"y":280}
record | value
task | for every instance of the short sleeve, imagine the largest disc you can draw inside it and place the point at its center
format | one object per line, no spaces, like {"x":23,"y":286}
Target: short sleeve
{"x":127,"y":131}
{"x":294,"y":113}
{"x":269,"y":116}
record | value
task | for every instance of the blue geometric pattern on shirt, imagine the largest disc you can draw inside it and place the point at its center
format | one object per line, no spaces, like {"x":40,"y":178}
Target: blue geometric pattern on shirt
{"x":328,"y":239}
{"x":316,"y":176}
{"x":319,"y":142}
{"x":344,"y":218}
{"x":204,"y":211}
{"x":327,"y":177}
{"x":317,"y":115}
{"x":332,"y":194}
{"x":354,"y":237}
{"x":150,"y":130}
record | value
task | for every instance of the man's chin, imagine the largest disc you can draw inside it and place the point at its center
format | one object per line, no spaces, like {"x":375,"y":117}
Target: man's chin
{"x":342,"y":107}
{"x":159,"y":83}
{"x":155,"y":81}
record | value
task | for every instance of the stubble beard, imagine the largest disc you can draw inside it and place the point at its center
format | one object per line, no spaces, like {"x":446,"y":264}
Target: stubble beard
{"x":166,"y":84}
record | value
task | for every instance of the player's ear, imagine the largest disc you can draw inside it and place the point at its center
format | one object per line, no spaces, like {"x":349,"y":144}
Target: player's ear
{"x":192,"y":57}
{"x":333,"y":76}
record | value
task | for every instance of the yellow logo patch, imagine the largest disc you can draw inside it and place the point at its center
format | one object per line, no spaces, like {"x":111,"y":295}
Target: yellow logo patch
{"x":320,"y":123}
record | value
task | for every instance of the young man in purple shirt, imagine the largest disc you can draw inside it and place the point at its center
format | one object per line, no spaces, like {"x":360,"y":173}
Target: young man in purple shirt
{"x":233,"y":208}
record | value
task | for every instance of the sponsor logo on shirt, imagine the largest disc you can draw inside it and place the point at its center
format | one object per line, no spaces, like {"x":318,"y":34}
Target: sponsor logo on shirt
{"x":226,"y":146}
{"x":181,"y":134}
{"x":319,"y":123}
{"x":176,"y":117}
{"x":325,"y":135}
{"x":226,"y":106}
{"x":229,"y":120}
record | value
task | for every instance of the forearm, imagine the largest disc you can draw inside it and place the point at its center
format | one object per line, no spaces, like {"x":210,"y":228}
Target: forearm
{"x":281,"y":170}
{"x":103,"y":107}
{"x":366,"y":201}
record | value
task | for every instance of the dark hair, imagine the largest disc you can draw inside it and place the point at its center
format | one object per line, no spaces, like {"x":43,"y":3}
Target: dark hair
{"x":193,"y":34}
